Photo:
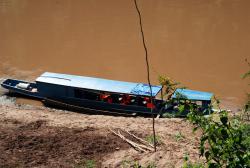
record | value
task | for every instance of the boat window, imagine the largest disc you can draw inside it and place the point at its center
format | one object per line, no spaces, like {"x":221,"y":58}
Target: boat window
{"x":79,"y":93}
{"x":199,"y":103}
{"x":85,"y":94}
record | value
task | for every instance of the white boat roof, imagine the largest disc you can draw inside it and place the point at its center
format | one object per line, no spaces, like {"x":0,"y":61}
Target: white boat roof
{"x":99,"y":84}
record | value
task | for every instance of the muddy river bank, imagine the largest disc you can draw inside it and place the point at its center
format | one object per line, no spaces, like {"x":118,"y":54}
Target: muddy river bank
{"x":42,"y":137}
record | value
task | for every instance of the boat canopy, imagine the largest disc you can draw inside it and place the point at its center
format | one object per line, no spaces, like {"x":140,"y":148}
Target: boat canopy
{"x":192,"y":95}
{"x":99,"y":84}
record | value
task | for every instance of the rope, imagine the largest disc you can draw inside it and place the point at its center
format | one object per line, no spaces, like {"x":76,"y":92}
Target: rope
{"x":148,"y":73}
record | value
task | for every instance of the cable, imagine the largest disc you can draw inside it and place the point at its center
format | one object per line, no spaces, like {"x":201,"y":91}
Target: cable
{"x":148,"y":73}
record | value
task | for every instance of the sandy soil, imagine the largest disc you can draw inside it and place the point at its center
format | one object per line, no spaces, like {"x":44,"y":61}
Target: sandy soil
{"x":35,"y":136}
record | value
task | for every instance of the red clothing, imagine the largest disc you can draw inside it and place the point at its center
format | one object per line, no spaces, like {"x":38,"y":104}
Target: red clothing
{"x":149,"y":104}
{"x":106,"y":98}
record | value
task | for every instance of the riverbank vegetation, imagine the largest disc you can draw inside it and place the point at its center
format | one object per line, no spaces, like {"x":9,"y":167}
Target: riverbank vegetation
{"x":225,"y":139}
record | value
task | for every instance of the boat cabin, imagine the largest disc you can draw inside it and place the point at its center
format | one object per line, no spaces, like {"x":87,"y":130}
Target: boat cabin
{"x":62,"y":87}
{"x":201,"y":98}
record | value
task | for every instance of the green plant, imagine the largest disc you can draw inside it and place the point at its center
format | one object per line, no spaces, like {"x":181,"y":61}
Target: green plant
{"x":89,"y":164}
{"x":125,"y":164}
{"x":150,"y":139}
{"x":168,"y":115}
{"x":188,"y":164}
{"x":169,"y":86}
{"x":136,"y":164}
{"x":192,"y":165}
{"x":247,"y":74}
{"x":86,"y":164}
{"x":186,"y":156}
{"x":246,"y":135}
{"x":246,"y":114}
{"x":151,"y":165}
{"x":178,"y":136}
{"x":222,"y":142}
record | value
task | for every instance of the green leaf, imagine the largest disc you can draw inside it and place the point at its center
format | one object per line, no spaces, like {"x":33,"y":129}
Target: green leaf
{"x":213,"y":138}
{"x":246,"y":75}
{"x":181,"y":108}
{"x":213,"y":165}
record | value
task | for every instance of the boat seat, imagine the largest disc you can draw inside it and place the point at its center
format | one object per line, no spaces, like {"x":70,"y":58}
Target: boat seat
{"x":23,"y":85}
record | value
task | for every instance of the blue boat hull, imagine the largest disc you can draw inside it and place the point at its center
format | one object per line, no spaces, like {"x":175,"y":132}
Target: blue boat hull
{"x":11,"y":85}
{"x":73,"y":103}
{"x":66,"y":97}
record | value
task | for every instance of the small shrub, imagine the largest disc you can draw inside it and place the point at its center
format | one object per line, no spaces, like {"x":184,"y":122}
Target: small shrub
{"x":89,"y":164}
{"x":151,"y":165}
{"x":136,"y":164}
{"x":168,"y":86}
{"x":125,"y":164}
{"x":178,"y":136}
{"x":150,"y":139}
{"x":86,"y":164}
{"x":193,"y":165}
{"x":188,"y":164}
{"x":246,"y":114}
{"x":168,"y":115}
{"x":222,"y":142}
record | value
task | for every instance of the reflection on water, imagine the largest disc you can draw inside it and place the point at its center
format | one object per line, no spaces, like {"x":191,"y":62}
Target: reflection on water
{"x":202,"y":44}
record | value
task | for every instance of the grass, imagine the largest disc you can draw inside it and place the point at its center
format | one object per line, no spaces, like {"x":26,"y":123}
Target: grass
{"x":168,"y":115}
{"x":178,"y":136}
{"x":136,"y":164}
{"x":150,"y":139}
{"x":188,"y":164}
{"x":86,"y":164}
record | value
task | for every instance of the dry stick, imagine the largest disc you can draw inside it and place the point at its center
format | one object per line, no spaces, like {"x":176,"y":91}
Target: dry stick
{"x":148,"y":74}
{"x":135,"y":145}
{"x":140,"y":145}
{"x":128,"y":141}
{"x":142,"y":140}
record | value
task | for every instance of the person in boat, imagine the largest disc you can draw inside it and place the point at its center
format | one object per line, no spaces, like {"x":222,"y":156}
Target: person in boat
{"x":126,"y":99}
{"x":106,"y":97}
{"x":147,"y":102}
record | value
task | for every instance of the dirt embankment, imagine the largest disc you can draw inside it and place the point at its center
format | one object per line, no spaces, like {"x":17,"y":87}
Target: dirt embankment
{"x":42,"y":137}
{"x":35,"y":144}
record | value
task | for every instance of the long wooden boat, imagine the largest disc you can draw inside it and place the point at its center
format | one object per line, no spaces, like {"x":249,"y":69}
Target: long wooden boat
{"x":98,"y":94}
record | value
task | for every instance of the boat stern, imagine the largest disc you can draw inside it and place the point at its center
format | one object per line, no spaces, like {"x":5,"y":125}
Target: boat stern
{"x":194,"y":95}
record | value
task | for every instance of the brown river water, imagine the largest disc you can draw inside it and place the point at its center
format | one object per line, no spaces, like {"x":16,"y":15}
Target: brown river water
{"x":200,"y":43}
